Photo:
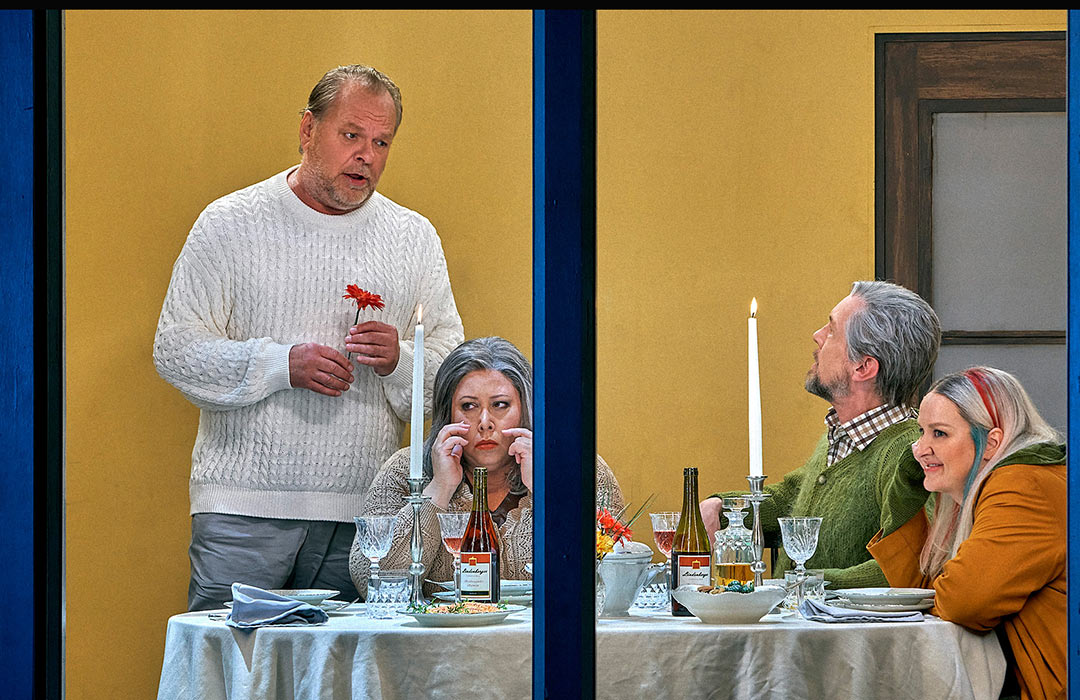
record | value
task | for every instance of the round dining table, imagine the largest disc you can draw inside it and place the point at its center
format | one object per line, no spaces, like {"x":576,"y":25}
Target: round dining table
{"x":645,"y":655}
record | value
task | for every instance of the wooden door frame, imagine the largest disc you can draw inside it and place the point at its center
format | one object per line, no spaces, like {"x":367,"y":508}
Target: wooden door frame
{"x":918,"y":76}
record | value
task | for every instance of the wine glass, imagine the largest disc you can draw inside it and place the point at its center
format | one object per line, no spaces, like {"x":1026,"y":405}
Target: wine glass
{"x":800,"y":542}
{"x":375,"y":534}
{"x":663,"y":528}
{"x":452,"y":526}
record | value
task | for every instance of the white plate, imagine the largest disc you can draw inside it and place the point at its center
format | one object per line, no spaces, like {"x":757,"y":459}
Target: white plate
{"x":335,"y":607}
{"x":526,"y":599}
{"x":328,"y":606}
{"x":883,"y":607}
{"x":464,"y":619}
{"x":506,"y":587}
{"x":886,"y":596}
{"x":306,"y":595}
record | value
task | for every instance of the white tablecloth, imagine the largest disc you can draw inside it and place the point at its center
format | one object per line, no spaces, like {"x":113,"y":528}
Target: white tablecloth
{"x":643,"y":656}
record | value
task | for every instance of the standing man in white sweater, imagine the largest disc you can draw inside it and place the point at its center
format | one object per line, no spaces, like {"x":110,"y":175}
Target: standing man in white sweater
{"x":254,"y":331}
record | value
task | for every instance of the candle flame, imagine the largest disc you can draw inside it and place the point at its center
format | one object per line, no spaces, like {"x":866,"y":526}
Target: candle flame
{"x":419,"y":314}
{"x":753,"y":307}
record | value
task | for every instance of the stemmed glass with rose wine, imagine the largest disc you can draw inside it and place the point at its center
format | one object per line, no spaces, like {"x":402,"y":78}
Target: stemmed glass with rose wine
{"x":663,"y":528}
{"x":452,"y":527}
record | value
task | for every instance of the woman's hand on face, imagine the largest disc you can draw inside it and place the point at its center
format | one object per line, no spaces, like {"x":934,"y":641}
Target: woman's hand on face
{"x":522,"y":452}
{"x":446,"y":462}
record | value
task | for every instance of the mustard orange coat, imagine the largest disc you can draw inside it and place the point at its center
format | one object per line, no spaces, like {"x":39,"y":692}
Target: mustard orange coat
{"x":1011,"y":570}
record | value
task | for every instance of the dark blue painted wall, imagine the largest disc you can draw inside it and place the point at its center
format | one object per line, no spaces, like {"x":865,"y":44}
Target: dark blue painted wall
{"x":17,"y":351}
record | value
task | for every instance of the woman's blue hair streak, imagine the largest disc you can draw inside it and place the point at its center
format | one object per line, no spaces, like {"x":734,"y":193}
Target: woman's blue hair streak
{"x":979,"y":435}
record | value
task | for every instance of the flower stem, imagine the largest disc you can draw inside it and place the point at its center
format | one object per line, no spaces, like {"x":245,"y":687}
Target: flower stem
{"x":357,"y":320}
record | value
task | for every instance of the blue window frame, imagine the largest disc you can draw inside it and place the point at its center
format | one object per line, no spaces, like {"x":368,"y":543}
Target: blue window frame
{"x":564,"y":352}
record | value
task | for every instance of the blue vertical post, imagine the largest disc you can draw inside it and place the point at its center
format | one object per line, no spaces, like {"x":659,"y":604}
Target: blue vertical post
{"x":16,"y":350}
{"x":1073,"y":345}
{"x":564,"y":352}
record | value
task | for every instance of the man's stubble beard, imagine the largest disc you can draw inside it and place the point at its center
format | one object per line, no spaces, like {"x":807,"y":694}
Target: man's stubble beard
{"x":319,"y":181}
{"x":828,"y":391}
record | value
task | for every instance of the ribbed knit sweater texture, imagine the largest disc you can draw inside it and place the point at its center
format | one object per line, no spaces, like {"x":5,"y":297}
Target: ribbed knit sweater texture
{"x":260,"y":272}
{"x":877,"y":488}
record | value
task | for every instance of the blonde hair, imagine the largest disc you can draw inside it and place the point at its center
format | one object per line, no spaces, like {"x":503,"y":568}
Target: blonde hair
{"x":986,"y":398}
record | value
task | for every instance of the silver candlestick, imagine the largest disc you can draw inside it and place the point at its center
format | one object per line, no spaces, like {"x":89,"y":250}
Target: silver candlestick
{"x":416,"y":569}
{"x":756,"y":496}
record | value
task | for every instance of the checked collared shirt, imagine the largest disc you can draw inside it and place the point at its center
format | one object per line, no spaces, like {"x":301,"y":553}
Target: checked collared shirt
{"x":860,"y":431}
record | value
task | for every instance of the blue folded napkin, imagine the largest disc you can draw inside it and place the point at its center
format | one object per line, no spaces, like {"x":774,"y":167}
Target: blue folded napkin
{"x":820,"y":612}
{"x":255,"y":607}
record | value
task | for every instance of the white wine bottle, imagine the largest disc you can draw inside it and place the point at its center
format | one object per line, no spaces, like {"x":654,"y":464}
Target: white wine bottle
{"x":690,"y":560}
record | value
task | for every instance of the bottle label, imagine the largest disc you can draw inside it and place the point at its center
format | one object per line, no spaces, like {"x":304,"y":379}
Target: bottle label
{"x":476,"y":574}
{"x":693,"y":570}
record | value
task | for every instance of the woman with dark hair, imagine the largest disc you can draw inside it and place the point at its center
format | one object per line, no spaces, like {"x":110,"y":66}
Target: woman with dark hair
{"x":994,"y":548}
{"x":481,"y":417}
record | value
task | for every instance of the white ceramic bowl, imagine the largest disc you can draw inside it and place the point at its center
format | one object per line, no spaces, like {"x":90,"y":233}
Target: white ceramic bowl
{"x":729,"y":607}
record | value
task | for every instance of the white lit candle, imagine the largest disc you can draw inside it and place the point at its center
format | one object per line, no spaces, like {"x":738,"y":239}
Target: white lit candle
{"x":416,"y":443}
{"x":754,"y":387}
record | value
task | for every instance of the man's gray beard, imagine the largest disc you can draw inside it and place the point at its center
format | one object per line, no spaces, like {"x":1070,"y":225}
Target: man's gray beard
{"x":815,"y":386}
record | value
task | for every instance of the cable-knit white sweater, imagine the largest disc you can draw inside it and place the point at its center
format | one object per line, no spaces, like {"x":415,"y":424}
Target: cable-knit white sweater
{"x":260,"y":272}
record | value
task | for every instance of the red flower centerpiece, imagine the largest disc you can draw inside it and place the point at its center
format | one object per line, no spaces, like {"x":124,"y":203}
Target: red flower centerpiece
{"x":610,"y":529}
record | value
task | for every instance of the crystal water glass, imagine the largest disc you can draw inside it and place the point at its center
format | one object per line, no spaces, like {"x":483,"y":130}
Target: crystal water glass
{"x":800,"y":542}
{"x":392,"y":596}
{"x":655,"y":595}
{"x":813,"y":587}
{"x":452,"y":526}
{"x":375,"y":534}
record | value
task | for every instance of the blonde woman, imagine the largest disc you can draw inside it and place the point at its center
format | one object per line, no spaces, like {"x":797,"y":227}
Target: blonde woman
{"x":994,"y":546}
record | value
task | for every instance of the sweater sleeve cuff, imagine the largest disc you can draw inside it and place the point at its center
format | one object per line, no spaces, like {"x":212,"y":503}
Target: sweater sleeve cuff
{"x":401,"y":377}
{"x":276,"y":358}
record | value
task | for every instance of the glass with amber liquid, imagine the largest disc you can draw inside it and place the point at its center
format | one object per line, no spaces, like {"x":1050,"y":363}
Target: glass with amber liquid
{"x":479,"y":575}
{"x":734,"y":550}
{"x":690,"y":560}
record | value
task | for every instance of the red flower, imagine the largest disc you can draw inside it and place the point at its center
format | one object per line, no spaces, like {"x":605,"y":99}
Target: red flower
{"x":606,"y":519}
{"x":363,"y":299}
{"x":611,"y":526}
{"x":621,"y":532}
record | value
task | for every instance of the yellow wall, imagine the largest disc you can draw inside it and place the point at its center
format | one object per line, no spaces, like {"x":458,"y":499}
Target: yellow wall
{"x":735,"y":160}
{"x":167,"y":111}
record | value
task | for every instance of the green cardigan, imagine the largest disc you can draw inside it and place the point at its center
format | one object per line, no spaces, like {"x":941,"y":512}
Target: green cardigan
{"x":877,"y":488}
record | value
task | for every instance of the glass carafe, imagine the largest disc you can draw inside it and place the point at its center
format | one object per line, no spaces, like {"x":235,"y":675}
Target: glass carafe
{"x":733,"y":552}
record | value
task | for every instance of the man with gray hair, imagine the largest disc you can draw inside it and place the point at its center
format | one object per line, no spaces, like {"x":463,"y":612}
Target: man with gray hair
{"x":254,"y":331}
{"x":872,"y":359}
